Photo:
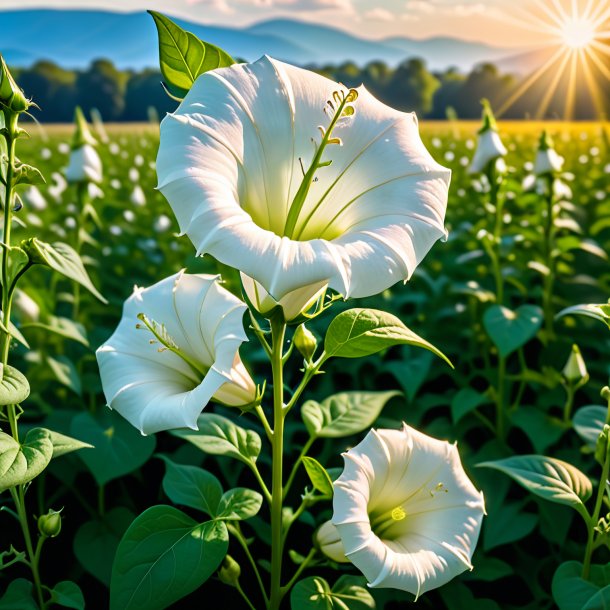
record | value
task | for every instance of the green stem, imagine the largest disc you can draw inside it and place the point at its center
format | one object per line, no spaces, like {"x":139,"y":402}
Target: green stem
{"x":497,"y":203}
{"x":601,"y":490}
{"x":236,"y":531}
{"x":522,"y":383}
{"x":295,"y":468}
{"x":261,"y":482}
{"x":81,"y":189}
{"x":101,"y":500}
{"x":299,"y":571}
{"x":549,"y":245}
{"x":278,"y":331}
{"x":243,"y":594}
{"x":567,"y":409}
{"x":500,"y":414}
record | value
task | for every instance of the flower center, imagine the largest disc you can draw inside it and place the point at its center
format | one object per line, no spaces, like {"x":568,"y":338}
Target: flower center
{"x":398,"y":514}
{"x":167,"y":342}
{"x":341,"y":107}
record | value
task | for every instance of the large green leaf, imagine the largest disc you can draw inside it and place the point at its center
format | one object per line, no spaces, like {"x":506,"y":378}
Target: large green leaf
{"x":14,"y":387}
{"x":348,"y":593}
{"x":509,"y":330}
{"x":96,"y":542}
{"x":61,"y":258}
{"x":220,"y":436}
{"x":572,"y":592}
{"x":68,"y":594}
{"x":465,"y":401}
{"x":183,"y":57}
{"x":64,"y":327}
{"x":589,"y":422}
{"x":360,"y":332}
{"x":344,"y":414}
{"x":318,"y":476}
{"x":599,"y":312}
{"x":19,"y":594}
{"x":118,"y":448}
{"x":63,"y":444}
{"x":192,"y":486}
{"x":20,"y":463}
{"x":163,"y":556}
{"x":549,"y":478}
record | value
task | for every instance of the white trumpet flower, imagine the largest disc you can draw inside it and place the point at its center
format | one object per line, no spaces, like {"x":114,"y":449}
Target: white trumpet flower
{"x":407,"y":514}
{"x":547,"y":160}
{"x":176,"y":348}
{"x":84,"y":164}
{"x":299,"y":182}
{"x":489,"y":145}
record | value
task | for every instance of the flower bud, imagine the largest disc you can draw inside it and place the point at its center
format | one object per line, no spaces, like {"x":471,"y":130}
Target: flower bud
{"x":11,"y":96}
{"x":49,"y":525}
{"x":547,"y":160}
{"x":229,"y":572}
{"x":305,"y":341}
{"x":328,"y":541}
{"x":575,"y":371}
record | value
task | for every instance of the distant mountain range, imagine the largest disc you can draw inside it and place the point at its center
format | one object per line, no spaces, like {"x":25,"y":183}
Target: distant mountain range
{"x":73,"y":38}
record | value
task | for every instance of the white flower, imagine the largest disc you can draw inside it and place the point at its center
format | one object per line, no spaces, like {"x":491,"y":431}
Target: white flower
{"x":293,"y":304}
{"x":244,"y":163}
{"x":175,"y":349}
{"x":547,"y":160}
{"x":137,"y":196}
{"x":33,"y":199}
{"x":84,"y":165}
{"x":328,"y":540}
{"x":489,"y":144}
{"x":408,"y":516}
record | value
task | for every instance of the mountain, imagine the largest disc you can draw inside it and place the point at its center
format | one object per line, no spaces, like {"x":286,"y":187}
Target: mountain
{"x":73,"y":38}
{"x":528,"y":62}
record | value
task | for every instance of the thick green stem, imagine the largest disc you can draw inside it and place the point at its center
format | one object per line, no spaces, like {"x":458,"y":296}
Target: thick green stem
{"x":295,"y":468}
{"x":601,"y":490}
{"x":549,"y":259}
{"x":278,"y":331}
{"x":81,"y":191}
{"x":567,"y":409}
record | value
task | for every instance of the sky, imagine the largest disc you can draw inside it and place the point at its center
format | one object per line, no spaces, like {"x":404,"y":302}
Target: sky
{"x":497,"y":22}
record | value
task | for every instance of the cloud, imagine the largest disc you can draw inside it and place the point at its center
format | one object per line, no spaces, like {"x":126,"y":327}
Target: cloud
{"x":379,"y":14}
{"x":302,"y":5}
{"x":420,"y":6}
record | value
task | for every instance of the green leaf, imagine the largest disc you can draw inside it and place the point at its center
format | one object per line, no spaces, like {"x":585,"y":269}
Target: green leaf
{"x":20,"y":463}
{"x":218,"y":435}
{"x":589,"y":423}
{"x":509,"y":330}
{"x":96,"y":542}
{"x":570,"y":590}
{"x":163,"y":556}
{"x":14,"y":387}
{"x":541,"y":429}
{"x":549,"y":478}
{"x":61,"y":258}
{"x":66,"y":373}
{"x":27,"y":174}
{"x":599,"y":601}
{"x":465,"y":401}
{"x":318,"y":476}
{"x":507,"y":522}
{"x":344,"y":414}
{"x":68,"y":595}
{"x":118,"y":448}
{"x":63,"y":444}
{"x":239,"y":504}
{"x":19,"y":596}
{"x":192,"y":486}
{"x":183,"y":57}
{"x":360,"y":332}
{"x":599,"y":312}
{"x":314,"y":593}
{"x":64,"y":327}
{"x":18,"y":260}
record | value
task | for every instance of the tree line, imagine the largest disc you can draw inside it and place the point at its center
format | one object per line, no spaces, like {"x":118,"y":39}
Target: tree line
{"x":122,"y":95}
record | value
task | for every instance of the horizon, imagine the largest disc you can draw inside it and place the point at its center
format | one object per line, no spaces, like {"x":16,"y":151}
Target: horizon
{"x":469,"y":20}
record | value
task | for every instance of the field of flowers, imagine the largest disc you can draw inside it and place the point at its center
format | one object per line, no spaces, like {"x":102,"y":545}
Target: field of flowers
{"x":483,"y":483}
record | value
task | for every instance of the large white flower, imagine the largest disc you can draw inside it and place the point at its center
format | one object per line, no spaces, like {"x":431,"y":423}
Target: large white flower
{"x":244,"y":163}
{"x":175,"y":348}
{"x":408,"y":516}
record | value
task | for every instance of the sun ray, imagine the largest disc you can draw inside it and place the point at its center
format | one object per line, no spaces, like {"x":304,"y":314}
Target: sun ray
{"x":600,"y":65}
{"x":560,"y":11}
{"x":600,"y":46}
{"x":553,"y":16}
{"x":571,"y":90}
{"x":592,"y":85}
{"x":601,"y":13}
{"x":529,"y":82}
{"x":546,"y":100}
{"x":586,"y":14}
{"x":533,"y":21}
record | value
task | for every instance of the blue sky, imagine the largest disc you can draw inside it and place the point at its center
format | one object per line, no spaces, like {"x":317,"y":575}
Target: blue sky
{"x":492,"y":21}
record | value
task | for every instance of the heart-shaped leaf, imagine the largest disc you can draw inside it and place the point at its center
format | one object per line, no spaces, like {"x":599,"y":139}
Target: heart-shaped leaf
{"x":63,"y":444}
{"x":345,"y":413}
{"x":163,"y":556}
{"x":238,"y":504}
{"x":589,"y":422}
{"x":509,"y":330}
{"x":20,"y":463}
{"x":14,"y":387}
{"x":572,"y":592}
{"x":68,"y":594}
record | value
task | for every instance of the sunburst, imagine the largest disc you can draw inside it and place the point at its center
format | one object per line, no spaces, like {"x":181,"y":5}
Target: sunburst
{"x":580,"y":34}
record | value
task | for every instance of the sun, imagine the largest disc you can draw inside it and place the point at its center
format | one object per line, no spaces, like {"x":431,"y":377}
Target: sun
{"x":578,"y":33}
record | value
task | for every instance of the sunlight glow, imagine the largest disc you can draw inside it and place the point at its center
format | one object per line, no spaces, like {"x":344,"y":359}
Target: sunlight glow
{"x":578,"y":33}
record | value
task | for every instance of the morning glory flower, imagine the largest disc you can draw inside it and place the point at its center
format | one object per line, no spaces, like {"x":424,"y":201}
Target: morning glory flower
{"x":407,"y":514}
{"x":547,"y":162}
{"x":489,"y":145}
{"x":176,"y":348}
{"x":84,"y":164}
{"x":300,"y":182}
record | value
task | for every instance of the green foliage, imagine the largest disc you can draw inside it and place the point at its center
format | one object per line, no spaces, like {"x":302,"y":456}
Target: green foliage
{"x":572,"y":592}
{"x":183,"y":57}
{"x":510,"y":330}
{"x":164,"y":556}
{"x":22,"y":462}
{"x":14,"y":387}
{"x":318,"y":476}
{"x":314,"y":593}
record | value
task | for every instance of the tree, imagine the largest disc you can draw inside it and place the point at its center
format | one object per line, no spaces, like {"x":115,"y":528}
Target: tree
{"x":102,"y":86}
{"x":412,"y":87}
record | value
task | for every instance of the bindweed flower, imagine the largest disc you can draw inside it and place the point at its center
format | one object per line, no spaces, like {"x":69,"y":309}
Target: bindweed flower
{"x":175,"y":349}
{"x":408,"y":516}
{"x":84,"y":164}
{"x":489,"y":145}
{"x":33,"y":199}
{"x":299,"y":182}
{"x":547,"y":162}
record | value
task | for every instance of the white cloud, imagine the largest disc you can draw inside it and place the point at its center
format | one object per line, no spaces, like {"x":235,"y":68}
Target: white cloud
{"x":379,"y":14}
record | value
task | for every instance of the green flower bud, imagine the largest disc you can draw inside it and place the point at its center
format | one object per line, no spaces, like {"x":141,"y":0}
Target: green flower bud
{"x":601,"y":447}
{"x":11,"y":96}
{"x":327,"y":540}
{"x":305,"y":341}
{"x":488,"y":118}
{"x":82,"y":135}
{"x":229,"y":572}
{"x":49,"y":525}
{"x":575,"y":371}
